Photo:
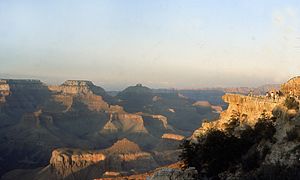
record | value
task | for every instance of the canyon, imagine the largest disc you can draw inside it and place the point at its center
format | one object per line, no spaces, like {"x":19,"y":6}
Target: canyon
{"x":73,"y":129}
{"x":76,"y":130}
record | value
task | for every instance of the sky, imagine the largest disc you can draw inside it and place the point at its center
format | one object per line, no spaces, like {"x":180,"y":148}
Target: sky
{"x":159,"y":43}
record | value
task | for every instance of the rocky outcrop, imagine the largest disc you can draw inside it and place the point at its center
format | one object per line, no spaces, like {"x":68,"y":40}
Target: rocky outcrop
{"x":145,"y":176}
{"x":85,"y":90}
{"x":206,"y":106}
{"x":123,"y":157}
{"x":292,"y":87}
{"x":123,"y":146}
{"x":247,"y":109}
{"x":74,"y":87}
{"x":174,"y":174}
{"x":124,"y":122}
{"x":202,"y":104}
{"x":64,"y":162}
{"x":94,"y":97}
{"x":172,"y":136}
{"x":217,"y":109}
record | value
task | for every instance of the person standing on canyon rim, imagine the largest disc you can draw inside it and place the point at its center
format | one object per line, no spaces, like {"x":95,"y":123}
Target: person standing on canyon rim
{"x":276,"y":96}
{"x":250,"y":93}
{"x":268,"y":95}
{"x":272,"y":96}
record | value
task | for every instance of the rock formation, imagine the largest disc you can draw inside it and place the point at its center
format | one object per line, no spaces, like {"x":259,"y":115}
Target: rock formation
{"x":65,"y":162}
{"x":174,"y":174}
{"x":292,"y":86}
{"x":247,"y":109}
{"x":172,"y":136}
{"x":123,"y":157}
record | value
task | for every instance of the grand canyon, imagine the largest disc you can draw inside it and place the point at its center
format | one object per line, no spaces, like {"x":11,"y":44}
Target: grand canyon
{"x":77,"y":130}
{"x":83,"y":132}
{"x":149,"y":90}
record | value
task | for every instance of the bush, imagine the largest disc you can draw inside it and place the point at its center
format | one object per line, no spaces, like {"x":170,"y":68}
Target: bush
{"x":214,"y":153}
{"x":187,"y":154}
{"x":291,"y":103}
{"x":218,"y":151}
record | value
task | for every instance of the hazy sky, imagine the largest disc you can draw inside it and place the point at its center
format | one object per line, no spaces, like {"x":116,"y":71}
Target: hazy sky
{"x":160,"y":43}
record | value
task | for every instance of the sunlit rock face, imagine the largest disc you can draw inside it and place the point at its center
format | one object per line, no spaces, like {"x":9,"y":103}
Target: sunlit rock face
{"x":247,"y":109}
{"x":172,"y":136}
{"x":74,"y":87}
{"x":81,"y":88}
{"x":64,"y":162}
{"x":292,"y":87}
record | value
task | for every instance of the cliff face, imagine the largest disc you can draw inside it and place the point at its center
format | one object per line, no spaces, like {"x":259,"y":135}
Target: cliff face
{"x":65,"y":162}
{"x":93,"y":96}
{"x":124,"y":122}
{"x":74,"y":87}
{"x":247,"y":109}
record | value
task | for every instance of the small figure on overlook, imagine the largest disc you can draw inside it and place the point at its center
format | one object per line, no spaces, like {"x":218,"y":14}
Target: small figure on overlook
{"x":250,"y":93}
{"x":268,"y":95}
{"x":276,"y":98}
{"x":273,"y":96}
